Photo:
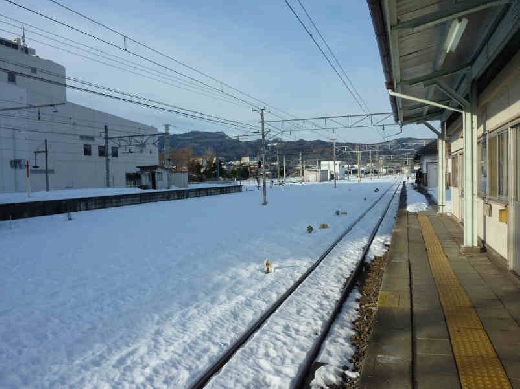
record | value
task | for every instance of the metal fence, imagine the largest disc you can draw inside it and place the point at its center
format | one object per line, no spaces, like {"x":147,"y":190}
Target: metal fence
{"x":51,"y":207}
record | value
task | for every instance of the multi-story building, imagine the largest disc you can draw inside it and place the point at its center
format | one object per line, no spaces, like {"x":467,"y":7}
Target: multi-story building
{"x":35,"y":113}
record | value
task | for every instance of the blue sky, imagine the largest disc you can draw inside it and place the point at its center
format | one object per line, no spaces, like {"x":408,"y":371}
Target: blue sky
{"x":257,"y":47}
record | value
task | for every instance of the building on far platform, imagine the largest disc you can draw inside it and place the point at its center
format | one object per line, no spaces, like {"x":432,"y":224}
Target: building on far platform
{"x":34,"y":110}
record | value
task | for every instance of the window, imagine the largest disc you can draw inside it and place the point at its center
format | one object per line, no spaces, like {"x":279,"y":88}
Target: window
{"x":455,"y":170}
{"x":115,"y":151}
{"x":33,"y":70}
{"x":159,"y":176}
{"x":482,"y":172}
{"x":517,"y":194}
{"x":11,"y":77}
{"x":87,"y":149}
{"x":498,"y":155}
{"x":101,"y":151}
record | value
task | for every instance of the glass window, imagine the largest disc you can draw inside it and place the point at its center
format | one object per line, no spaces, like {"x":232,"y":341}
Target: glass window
{"x":498,"y":154}
{"x":517,"y":194}
{"x":87,"y":149}
{"x":101,"y":151}
{"x":482,"y":174}
{"x":455,"y":170}
{"x":11,"y":77}
{"x":115,"y":151}
{"x":503,"y":148}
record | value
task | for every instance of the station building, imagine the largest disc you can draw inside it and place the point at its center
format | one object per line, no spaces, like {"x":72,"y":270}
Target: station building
{"x":458,"y":64}
{"x":34,"y":112}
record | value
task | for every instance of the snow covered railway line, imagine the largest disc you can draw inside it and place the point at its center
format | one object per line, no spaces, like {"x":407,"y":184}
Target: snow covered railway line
{"x":278,"y":349}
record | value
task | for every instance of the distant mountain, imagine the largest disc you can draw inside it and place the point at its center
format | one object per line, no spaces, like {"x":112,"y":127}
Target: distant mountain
{"x":232,"y":149}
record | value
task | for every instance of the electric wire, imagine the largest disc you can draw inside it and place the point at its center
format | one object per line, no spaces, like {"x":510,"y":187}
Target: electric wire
{"x":142,"y":57}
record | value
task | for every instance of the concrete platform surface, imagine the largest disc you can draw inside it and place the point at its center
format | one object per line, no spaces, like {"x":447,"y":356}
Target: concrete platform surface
{"x":432,"y":332}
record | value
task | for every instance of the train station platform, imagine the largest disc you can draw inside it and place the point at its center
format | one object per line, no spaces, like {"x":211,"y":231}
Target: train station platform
{"x":444,"y":320}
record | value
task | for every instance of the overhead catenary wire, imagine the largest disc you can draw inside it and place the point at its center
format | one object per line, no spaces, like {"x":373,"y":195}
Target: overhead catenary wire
{"x":335,"y":58}
{"x":149,"y":60}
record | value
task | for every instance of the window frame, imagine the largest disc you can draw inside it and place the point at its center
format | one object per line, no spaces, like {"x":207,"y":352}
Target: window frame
{"x":101,"y":151}
{"x":87,"y":149}
{"x":115,"y":152}
{"x":498,"y":165}
{"x":11,"y":77}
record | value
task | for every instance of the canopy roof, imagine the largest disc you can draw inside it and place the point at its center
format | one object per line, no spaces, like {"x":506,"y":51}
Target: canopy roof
{"x":422,"y":58}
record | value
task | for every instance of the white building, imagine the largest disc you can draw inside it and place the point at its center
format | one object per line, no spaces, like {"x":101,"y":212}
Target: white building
{"x":74,"y":133}
{"x":331,"y":168}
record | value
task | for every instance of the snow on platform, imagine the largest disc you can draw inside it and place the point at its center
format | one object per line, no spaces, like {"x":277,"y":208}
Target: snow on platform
{"x":63,"y":194}
{"x":147,"y":296}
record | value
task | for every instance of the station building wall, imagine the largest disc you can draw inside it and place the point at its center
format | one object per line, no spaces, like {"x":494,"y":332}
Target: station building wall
{"x":498,"y":152}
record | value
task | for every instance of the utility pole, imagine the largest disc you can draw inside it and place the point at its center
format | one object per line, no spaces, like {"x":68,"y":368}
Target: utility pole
{"x":46,"y":152}
{"x":277,"y":166}
{"x":301,"y":167}
{"x":334,"y":159}
{"x":359,"y":163}
{"x":371,"y":167}
{"x":107,"y":164}
{"x":264,"y":189}
{"x":167,"y":155}
{"x":46,"y":167}
{"x":284,"y":168}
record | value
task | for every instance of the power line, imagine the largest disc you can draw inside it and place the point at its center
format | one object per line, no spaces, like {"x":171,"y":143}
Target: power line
{"x":323,"y":53}
{"x":334,"y":56}
{"x":145,"y":58}
{"x":177,"y":110}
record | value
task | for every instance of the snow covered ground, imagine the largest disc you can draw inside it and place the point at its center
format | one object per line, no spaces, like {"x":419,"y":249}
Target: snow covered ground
{"x":434,"y":192}
{"x":147,"y":296}
{"x":416,"y":202}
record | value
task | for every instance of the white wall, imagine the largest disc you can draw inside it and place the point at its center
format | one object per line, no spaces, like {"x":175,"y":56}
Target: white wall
{"x":22,"y":133}
{"x":498,"y":107}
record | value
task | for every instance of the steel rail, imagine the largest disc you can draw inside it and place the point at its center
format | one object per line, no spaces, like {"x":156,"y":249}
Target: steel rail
{"x":351,"y":282}
{"x":213,"y":369}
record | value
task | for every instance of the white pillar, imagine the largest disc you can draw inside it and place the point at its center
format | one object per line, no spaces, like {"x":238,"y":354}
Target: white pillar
{"x":470,"y":170}
{"x":441,"y":171}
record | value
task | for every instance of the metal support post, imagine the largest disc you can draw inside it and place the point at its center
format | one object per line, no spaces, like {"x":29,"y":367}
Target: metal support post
{"x":301,"y":167}
{"x":46,"y":167}
{"x":277,"y":167}
{"x":371,"y":167}
{"x":334,"y":159}
{"x":107,"y":164}
{"x":284,"y":168}
{"x":359,"y":164}
{"x":167,"y":155}
{"x":264,"y":189}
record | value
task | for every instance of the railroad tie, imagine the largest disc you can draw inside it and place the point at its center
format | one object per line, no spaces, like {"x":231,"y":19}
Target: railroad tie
{"x":477,"y":362}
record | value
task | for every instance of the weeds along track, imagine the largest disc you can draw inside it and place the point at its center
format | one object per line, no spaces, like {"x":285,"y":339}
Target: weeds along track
{"x":287,"y":308}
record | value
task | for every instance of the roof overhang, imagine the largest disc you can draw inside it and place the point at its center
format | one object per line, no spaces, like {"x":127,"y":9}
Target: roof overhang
{"x":434,"y":49}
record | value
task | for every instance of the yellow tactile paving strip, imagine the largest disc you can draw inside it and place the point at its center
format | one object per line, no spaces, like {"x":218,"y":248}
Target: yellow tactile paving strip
{"x":477,"y":361}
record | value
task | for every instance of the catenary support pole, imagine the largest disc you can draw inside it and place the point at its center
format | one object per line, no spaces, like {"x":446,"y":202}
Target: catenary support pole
{"x":301,"y":167}
{"x":359,"y":163}
{"x":334,"y":159}
{"x":167,"y":155}
{"x":46,"y":167}
{"x":284,"y":169}
{"x":107,"y":164}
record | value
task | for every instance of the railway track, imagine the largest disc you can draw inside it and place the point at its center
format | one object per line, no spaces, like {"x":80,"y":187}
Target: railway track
{"x":377,"y":209}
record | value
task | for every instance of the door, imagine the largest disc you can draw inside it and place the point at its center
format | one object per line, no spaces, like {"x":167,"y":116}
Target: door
{"x":514,"y":211}
{"x":154,"y":181}
{"x":431,"y":174}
